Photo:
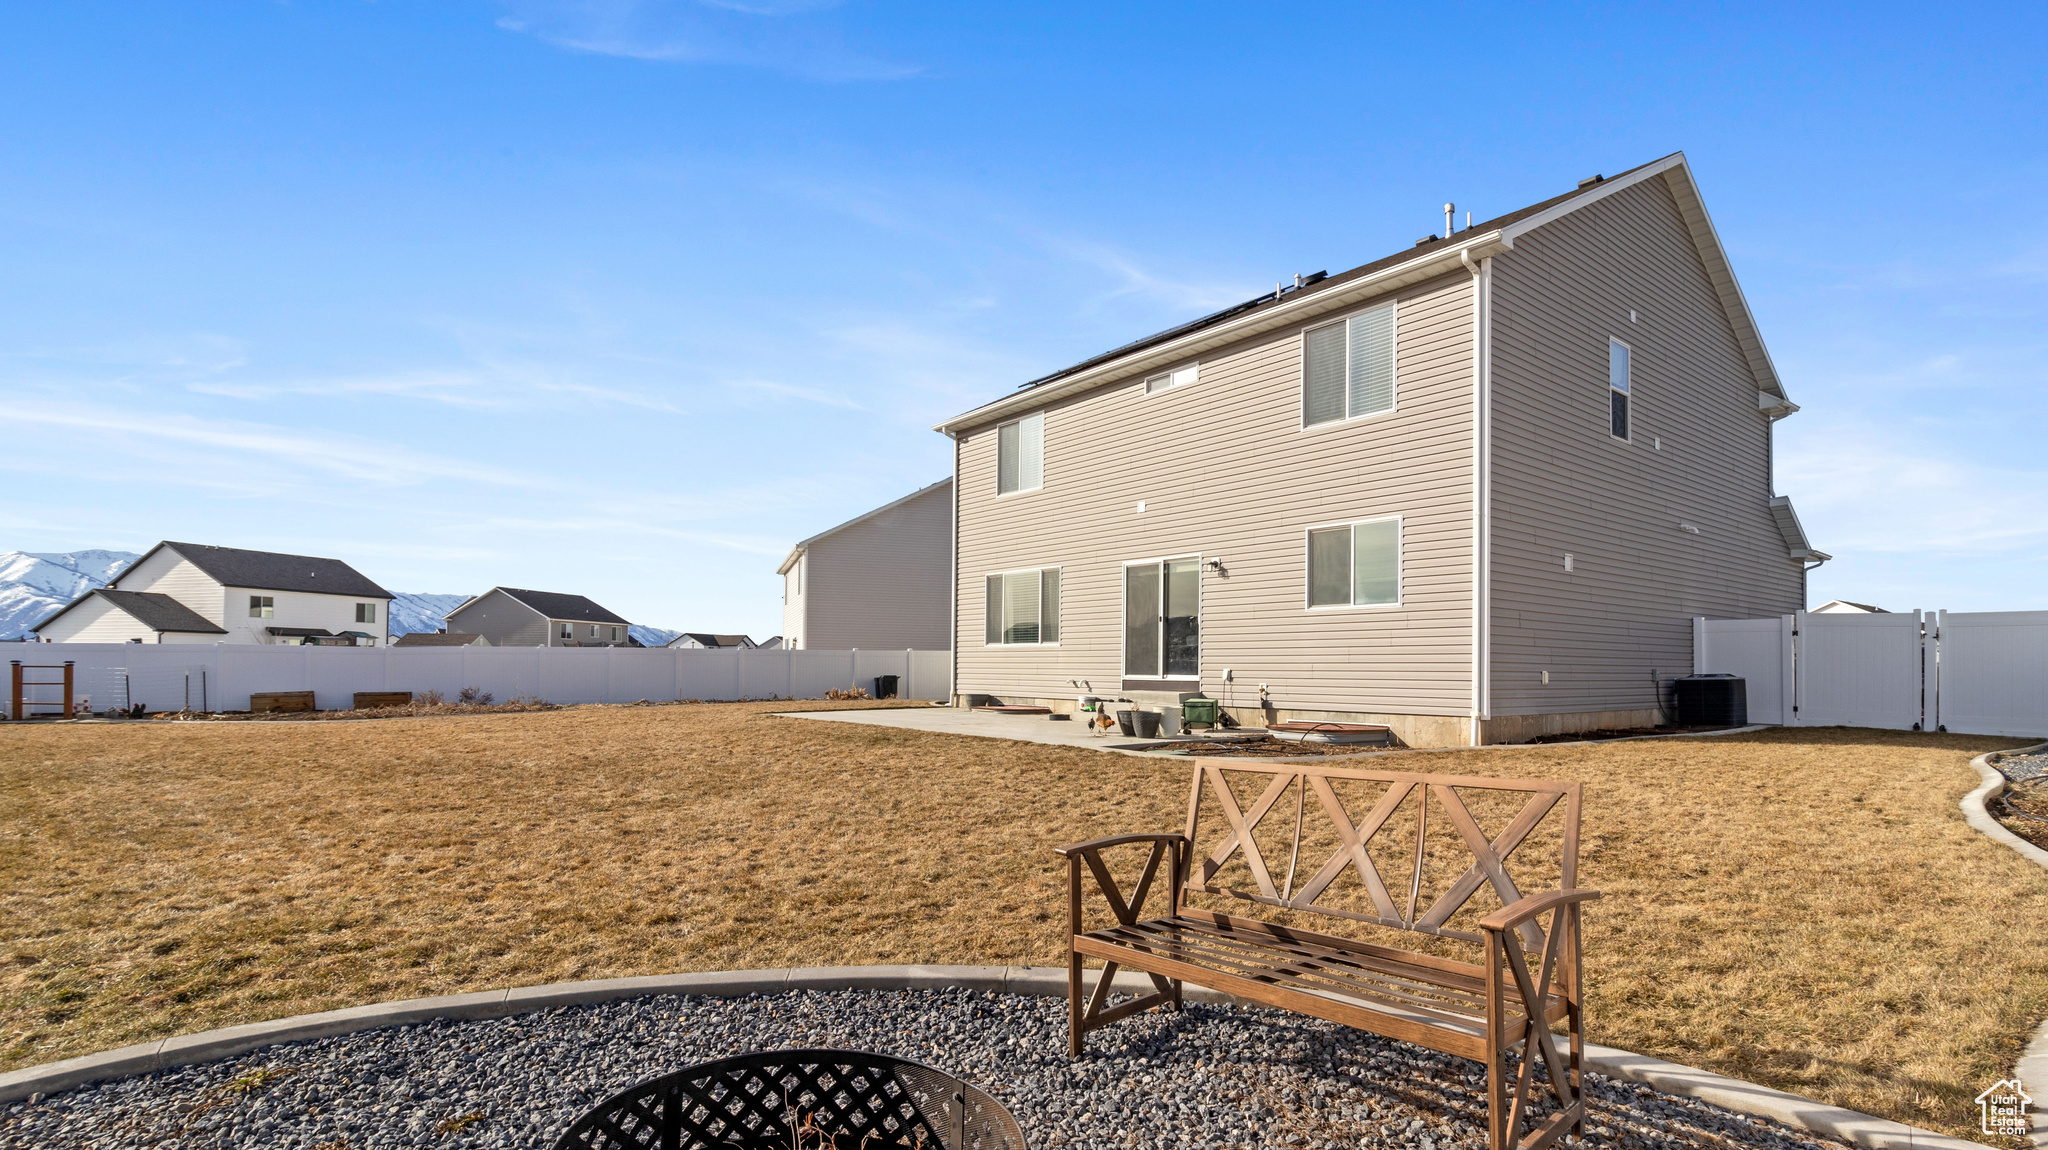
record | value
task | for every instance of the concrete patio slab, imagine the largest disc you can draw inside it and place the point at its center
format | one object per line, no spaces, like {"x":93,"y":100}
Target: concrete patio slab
{"x":963,"y":721}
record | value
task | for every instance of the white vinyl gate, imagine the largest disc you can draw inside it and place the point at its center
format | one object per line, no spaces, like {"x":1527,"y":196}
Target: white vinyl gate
{"x":1980,"y":673}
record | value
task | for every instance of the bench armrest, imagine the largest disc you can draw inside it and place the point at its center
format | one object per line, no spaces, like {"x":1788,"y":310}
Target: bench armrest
{"x":1509,"y":917}
{"x":1117,"y":841}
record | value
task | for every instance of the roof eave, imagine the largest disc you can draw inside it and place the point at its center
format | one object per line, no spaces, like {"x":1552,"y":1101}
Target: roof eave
{"x":1440,"y":258}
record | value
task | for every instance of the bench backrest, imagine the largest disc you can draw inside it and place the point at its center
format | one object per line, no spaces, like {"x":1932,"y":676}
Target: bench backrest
{"x":1421,"y":826}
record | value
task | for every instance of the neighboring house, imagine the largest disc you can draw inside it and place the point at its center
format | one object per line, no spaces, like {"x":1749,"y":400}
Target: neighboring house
{"x":1844,"y":607}
{"x":441,"y":639}
{"x":878,"y":581}
{"x":244,"y":596}
{"x":514,"y":617}
{"x":1475,"y":490}
{"x":704,"y":641}
{"x":770,"y":644}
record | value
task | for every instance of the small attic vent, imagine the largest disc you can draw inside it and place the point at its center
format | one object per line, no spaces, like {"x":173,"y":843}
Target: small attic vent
{"x":1589,"y":181}
{"x":1426,"y":240}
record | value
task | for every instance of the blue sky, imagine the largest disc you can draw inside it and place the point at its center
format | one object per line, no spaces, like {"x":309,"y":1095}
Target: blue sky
{"x":624,"y":298}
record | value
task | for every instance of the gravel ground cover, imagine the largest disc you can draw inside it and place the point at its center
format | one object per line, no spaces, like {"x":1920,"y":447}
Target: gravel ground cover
{"x":2017,"y":767}
{"x":1215,"y":1076}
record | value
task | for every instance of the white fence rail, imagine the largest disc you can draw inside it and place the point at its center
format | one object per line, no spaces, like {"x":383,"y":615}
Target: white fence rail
{"x":1979,"y":673}
{"x":222,"y":677}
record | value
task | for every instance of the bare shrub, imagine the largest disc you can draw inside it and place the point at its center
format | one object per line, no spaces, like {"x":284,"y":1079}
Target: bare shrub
{"x":848,"y":693}
{"x":428,"y":699}
{"x":471,"y":696}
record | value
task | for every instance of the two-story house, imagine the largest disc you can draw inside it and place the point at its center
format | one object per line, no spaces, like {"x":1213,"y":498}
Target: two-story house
{"x":193,"y":593}
{"x":515,"y":617}
{"x":878,"y":581}
{"x":1474,"y":490}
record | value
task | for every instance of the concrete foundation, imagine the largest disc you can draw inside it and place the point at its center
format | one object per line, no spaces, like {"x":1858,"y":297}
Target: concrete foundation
{"x":1409,"y":730}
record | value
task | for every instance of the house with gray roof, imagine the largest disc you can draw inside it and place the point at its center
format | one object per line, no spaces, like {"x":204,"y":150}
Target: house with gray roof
{"x":197,"y":593}
{"x":705,"y":640}
{"x":1474,"y":490}
{"x":517,"y":617}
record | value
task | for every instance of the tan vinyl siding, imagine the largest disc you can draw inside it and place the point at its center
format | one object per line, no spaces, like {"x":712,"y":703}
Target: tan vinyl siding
{"x":1562,"y":485}
{"x":1226,"y":471}
{"x":167,"y":573}
{"x":881,"y":582}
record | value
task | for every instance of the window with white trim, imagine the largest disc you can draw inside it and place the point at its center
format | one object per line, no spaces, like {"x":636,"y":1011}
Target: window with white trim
{"x":1023,"y":608}
{"x":1171,"y":379}
{"x":568,"y":631}
{"x":1163,"y":619}
{"x":1020,"y":454}
{"x":262,"y":607}
{"x":366,"y":612}
{"x":1617,"y":389}
{"x":1355,"y":564}
{"x":1347,"y":368}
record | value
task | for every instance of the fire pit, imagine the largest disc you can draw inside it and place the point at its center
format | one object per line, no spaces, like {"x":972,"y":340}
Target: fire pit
{"x":799,"y":1100}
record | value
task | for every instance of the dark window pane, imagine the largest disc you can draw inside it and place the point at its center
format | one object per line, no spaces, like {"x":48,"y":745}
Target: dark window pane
{"x":993,"y":629}
{"x":1141,"y":620}
{"x":1183,"y":617}
{"x":1322,"y":375}
{"x":1049,"y":606}
{"x":1329,"y":567}
{"x":1007,"y":443}
{"x":1618,"y":414}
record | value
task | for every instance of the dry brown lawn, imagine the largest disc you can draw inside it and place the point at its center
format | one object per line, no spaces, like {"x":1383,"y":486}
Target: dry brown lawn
{"x":1802,"y":908}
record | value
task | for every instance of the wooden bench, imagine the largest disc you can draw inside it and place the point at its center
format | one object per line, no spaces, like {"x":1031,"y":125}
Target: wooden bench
{"x":1479,"y":1011}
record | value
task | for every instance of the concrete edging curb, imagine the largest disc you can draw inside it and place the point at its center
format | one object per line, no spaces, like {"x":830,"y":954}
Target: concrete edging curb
{"x":2033,"y":1063}
{"x":185,"y":1050}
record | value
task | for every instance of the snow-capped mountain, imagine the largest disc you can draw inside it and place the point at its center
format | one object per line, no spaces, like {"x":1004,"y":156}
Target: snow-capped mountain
{"x":34,"y":584}
{"x":413,"y":611}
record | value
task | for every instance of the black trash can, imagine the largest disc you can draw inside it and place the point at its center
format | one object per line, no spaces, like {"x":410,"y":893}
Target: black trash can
{"x":885,"y":686}
{"x":1712,"y":700}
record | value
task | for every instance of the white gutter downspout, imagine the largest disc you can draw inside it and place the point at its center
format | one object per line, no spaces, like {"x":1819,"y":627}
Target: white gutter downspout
{"x":1482,"y":492}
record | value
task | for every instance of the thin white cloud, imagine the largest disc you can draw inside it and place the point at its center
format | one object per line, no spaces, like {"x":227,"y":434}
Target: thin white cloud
{"x":770,"y":34}
{"x":792,"y":391}
{"x":1891,"y":489}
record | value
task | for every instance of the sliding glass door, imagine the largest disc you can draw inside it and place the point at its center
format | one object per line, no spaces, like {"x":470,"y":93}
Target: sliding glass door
{"x":1163,"y":619}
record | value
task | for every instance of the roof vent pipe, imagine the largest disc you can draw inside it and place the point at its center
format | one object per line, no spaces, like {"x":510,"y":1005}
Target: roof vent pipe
{"x":1450,"y":211}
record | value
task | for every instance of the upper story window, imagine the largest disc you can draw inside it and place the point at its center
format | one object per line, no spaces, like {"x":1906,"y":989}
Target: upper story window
{"x":1020,"y":454}
{"x":1172,"y":379}
{"x":1347,"y":368}
{"x":366,"y":612}
{"x":1355,"y":565}
{"x":1023,"y":607}
{"x":262,"y":607}
{"x":1617,"y":389}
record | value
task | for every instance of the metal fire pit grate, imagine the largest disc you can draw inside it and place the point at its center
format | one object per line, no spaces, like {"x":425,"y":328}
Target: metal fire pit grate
{"x":803,"y":1099}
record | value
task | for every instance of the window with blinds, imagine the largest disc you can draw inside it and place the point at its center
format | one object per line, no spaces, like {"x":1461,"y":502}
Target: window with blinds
{"x":1023,"y":608}
{"x":1347,"y":368}
{"x":1617,"y":389}
{"x":1355,"y":565}
{"x":1020,"y":454}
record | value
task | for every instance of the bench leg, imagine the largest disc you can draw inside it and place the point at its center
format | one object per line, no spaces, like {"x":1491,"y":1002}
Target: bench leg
{"x":1498,"y":1136}
{"x":1075,"y":1031}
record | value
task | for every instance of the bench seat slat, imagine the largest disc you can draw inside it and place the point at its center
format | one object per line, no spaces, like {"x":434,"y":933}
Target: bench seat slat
{"x":1311,"y":981}
{"x":1420,"y":967}
{"x":1351,"y":975}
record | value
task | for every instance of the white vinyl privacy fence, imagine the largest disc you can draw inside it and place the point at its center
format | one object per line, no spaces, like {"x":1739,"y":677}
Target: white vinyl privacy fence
{"x":1977,"y":672}
{"x":222,"y":677}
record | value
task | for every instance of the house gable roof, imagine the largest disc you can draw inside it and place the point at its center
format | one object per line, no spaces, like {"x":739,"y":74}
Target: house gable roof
{"x":554,"y":605}
{"x":1432,"y":257}
{"x":154,"y":610}
{"x":706,"y":639}
{"x":797,"y":552}
{"x":267,"y":570}
{"x":440,"y":639}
